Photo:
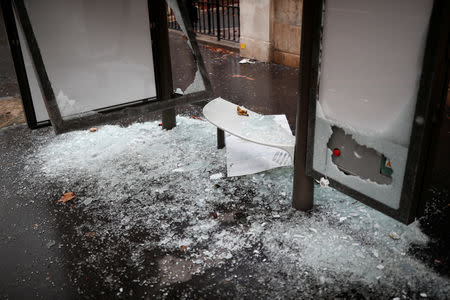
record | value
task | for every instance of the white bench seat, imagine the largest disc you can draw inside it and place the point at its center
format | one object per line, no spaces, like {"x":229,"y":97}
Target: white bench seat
{"x":254,"y":128}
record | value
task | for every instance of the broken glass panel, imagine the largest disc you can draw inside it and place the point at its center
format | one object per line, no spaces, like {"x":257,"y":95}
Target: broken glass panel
{"x":98,"y":55}
{"x":371,"y":63}
{"x":187,"y":70}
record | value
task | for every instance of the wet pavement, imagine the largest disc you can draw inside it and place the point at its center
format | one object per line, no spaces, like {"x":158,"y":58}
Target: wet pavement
{"x":74,"y":250}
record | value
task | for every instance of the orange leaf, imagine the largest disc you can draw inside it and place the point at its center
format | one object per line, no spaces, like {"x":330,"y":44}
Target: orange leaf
{"x":93,"y":129}
{"x":91,"y":234}
{"x":183,"y":248}
{"x":67,"y":197}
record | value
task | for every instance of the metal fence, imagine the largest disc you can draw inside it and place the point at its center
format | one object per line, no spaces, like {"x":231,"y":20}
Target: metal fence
{"x":219,"y":18}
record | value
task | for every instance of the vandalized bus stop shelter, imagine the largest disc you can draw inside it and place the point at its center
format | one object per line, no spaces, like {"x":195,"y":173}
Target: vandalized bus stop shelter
{"x":374,"y":79}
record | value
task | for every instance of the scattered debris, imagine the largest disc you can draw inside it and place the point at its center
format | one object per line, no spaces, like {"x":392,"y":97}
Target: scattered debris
{"x":216,"y":176}
{"x":394,"y":236}
{"x":179,"y":91}
{"x":67,"y":197}
{"x":90,"y":234}
{"x":437,"y":261}
{"x":51,"y":244}
{"x":313,"y":229}
{"x":324,"y":182}
{"x":219,"y":50}
{"x":196,"y":118}
{"x":184,"y":247}
{"x":87,"y":201}
{"x":214,"y":215}
{"x":242,"y":112}
{"x":160,"y":124}
{"x":423,"y":295}
{"x":36,"y":225}
{"x":246,"y":61}
{"x":380,"y":267}
{"x":342,"y":219}
{"x":93,"y":129}
{"x":243,"y":76}
{"x":375,"y":253}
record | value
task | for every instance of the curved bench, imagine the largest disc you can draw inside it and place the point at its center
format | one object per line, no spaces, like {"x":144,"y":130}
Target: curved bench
{"x":256,"y":128}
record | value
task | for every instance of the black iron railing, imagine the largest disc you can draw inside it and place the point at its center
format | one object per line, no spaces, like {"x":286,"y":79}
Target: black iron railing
{"x":219,"y":18}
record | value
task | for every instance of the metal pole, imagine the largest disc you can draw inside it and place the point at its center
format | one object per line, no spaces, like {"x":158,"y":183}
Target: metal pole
{"x":228,"y":19}
{"x":218,"y":19}
{"x":220,"y":138}
{"x":42,"y":77}
{"x":19,"y":65}
{"x":169,"y":120}
{"x":163,"y":68}
{"x":208,"y":10}
{"x":303,"y":193}
{"x":239,"y":19}
{"x":234,"y":26}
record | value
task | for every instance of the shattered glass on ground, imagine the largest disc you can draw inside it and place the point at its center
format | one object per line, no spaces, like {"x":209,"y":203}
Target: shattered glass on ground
{"x":152,"y":219}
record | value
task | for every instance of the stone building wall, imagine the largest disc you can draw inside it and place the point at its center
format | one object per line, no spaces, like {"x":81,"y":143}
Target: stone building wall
{"x":271,"y":30}
{"x":287,"y":22}
{"x":256,"y":29}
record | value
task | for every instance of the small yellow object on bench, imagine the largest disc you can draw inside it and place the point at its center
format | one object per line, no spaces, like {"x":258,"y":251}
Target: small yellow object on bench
{"x":242,"y":112}
{"x":256,"y":128}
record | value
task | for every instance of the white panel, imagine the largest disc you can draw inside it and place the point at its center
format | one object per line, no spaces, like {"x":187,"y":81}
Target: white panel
{"x":372,"y":55}
{"x":97,"y":53}
{"x":372,"y":62}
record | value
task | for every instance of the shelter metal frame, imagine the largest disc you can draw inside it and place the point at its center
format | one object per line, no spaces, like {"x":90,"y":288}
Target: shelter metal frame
{"x":431,"y":94}
{"x":164,"y":101}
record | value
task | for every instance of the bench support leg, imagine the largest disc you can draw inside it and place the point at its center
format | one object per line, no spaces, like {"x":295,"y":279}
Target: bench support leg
{"x":169,"y":120}
{"x":220,"y":139}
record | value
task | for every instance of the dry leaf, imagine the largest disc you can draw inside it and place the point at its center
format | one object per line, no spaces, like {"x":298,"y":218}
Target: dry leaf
{"x":241,"y":112}
{"x":242,"y":76}
{"x":394,"y":236}
{"x":67,"y":197}
{"x":196,"y":118}
{"x":93,"y":129}
{"x":219,"y":50}
{"x":183,"y":248}
{"x":91,"y":234}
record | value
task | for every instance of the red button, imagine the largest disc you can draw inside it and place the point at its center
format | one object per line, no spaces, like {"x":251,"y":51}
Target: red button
{"x":336,"y":152}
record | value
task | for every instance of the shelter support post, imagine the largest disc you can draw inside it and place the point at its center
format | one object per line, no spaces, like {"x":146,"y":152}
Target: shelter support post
{"x":220,"y":139}
{"x":169,"y":118}
{"x":161,"y":52}
{"x":303,"y":193}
